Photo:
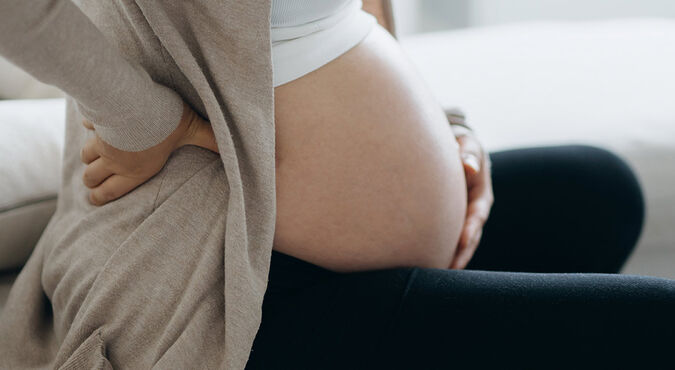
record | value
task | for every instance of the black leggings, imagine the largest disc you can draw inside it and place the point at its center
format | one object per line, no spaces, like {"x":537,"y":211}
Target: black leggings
{"x":564,"y":218}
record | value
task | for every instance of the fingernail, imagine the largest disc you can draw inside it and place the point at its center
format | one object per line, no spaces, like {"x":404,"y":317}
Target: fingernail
{"x":471,"y":161}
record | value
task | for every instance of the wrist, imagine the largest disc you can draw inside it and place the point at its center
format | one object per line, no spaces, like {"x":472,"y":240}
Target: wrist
{"x":457,"y":121}
{"x":183,"y":131}
{"x":204,"y":137}
{"x":460,"y":130}
{"x":196,"y":132}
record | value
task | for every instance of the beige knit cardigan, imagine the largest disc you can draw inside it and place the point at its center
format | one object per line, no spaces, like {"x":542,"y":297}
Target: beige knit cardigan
{"x":172,"y":275}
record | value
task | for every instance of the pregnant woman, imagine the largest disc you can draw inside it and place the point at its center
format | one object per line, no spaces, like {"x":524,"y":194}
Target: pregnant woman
{"x":368,"y":169}
{"x":370,"y":178}
{"x":380,"y":205}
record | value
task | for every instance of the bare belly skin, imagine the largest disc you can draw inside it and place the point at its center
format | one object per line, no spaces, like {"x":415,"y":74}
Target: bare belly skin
{"x":368,"y":172}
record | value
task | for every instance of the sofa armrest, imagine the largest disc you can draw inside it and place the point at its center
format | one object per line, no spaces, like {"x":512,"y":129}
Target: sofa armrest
{"x":31,"y":147}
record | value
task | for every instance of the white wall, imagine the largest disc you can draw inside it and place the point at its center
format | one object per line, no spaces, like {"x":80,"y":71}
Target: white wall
{"x":413,"y":16}
{"x":487,"y":12}
{"x":406,"y":16}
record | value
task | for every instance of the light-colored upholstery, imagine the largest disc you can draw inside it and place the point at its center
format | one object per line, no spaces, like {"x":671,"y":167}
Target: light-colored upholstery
{"x":607,"y":83}
{"x":17,"y":84}
{"x":31,"y":143}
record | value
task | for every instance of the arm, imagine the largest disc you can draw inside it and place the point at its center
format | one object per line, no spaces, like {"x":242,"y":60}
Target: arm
{"x":382,"y":11}
{"x":137,"y":122}
{"x":58,"y":44}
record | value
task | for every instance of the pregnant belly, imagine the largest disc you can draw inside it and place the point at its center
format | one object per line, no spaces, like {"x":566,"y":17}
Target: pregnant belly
{"x":368,"y":173}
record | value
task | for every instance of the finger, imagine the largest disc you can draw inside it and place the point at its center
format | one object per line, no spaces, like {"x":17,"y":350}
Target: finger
{"x":479,"y":208}
{"x":88,"y":125}
{"x":460,"y":130}
{"x":480,"y":191}
{"x":477,"y":213}
{"x":464,"y":237}
{"x":471,"y":164}
{"x":89,"y":151}
{"x":463,"y":258}
{"x":470,"y":152}
{"x":465,"y":247}
{"x":96,"y":172}
{"x":467,"y":233}
{"x":480,"y":195}
{"x":112,"y":188}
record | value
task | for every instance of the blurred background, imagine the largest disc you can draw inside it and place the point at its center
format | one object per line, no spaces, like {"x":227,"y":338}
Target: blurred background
{"x":548,"y":72}
{"x":413,"y":16}
{"x":526,"y":73}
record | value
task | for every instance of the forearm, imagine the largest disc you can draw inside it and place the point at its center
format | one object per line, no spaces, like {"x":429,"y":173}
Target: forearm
{"x":382,"y":11}
{"x":58,"y":44}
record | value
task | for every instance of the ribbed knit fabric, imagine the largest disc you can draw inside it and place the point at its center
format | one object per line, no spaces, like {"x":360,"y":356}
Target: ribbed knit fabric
{"x":305,"y":35}
{"x":287,"y":13}
{"x":308,"y":34}
{"x":171,"y":275}
{"x":57,"y":44}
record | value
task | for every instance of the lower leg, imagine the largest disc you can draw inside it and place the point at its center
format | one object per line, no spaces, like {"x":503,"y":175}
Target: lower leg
{"x":560,"y":209}
{"x":460,"y":319}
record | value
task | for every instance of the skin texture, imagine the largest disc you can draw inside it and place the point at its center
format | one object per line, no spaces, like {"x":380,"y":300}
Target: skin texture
{"x":111,"y":173}
{"x":476,"y":164}
{"x":368,"y":170}
{"x":361,"y":183}
{"x":475,"y":160}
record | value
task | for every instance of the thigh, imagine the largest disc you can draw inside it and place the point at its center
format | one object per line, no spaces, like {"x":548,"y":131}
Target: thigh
{"x":450,"y":318}
{"x":560,"y":209}
{"x":415,"y":318}
{"x":328,"y":322}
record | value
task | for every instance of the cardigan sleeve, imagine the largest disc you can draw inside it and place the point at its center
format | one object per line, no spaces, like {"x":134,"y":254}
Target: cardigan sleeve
{"x":57,"y":43}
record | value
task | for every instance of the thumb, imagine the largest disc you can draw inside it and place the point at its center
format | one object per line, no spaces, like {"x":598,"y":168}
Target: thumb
{"x":470,"y":153}
{"x":471,"y":163}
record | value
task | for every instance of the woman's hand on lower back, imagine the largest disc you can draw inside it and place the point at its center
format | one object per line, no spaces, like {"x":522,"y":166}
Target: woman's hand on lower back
{"x":112,"y":173}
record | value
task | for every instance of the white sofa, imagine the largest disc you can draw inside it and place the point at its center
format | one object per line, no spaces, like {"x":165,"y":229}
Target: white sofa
{"x":608,"y":83}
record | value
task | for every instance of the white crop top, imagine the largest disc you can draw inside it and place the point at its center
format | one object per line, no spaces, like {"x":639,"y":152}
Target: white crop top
{"x":306,"y":34}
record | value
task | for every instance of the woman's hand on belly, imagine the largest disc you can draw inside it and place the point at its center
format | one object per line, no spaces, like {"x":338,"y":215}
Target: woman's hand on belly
{"x":368,"y":170}
{"x":479,"y":185}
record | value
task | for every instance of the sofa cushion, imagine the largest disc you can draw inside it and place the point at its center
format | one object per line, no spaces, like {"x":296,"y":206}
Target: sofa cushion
{"x":31,"y":145}
{"x":17,"y":84}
